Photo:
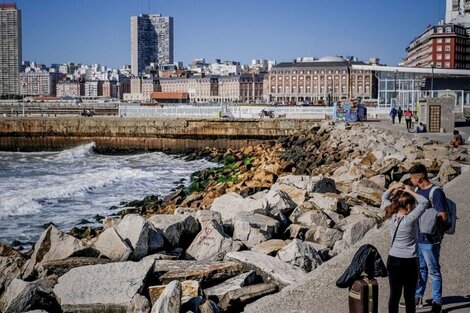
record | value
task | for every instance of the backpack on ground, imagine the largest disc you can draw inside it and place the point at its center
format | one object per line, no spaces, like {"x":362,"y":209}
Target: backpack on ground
{"x":451,"y":212}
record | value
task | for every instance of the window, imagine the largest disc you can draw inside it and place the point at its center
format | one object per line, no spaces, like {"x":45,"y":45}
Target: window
{"x":448,"y":29}
{"x":439,"y":56}
{"x":447,"y":48}
{"x":439,"y":48}
{"x":447,"y":56}
{"x":447,"y":40}
{"x":439,"y":40}
{"x":439,"y":30}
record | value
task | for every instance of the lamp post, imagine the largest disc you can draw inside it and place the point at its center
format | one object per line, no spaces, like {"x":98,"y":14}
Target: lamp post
{"x":432,"y":79}
{"x":24,"y":85}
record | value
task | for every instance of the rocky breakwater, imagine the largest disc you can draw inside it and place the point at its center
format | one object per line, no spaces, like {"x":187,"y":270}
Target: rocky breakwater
{"x":270,"y":215}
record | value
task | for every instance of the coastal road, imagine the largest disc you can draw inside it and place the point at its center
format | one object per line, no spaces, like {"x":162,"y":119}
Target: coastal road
{"x":320,"y":294}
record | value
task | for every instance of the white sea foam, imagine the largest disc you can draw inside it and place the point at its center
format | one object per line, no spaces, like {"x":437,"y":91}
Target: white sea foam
{"x":26,"y":199}
{"x":81,"y":151}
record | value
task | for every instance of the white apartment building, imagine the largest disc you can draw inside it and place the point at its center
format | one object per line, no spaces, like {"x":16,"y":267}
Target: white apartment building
{"x":93,"y":88}
{"x":225,"y":68}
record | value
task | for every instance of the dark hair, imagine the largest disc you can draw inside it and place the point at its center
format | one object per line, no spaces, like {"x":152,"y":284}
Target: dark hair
{"x":400,"y":200}
{"x":456,"y":131}
{"x":419,"y":169}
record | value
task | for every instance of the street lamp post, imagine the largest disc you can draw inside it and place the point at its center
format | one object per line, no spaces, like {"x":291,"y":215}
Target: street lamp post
{"x":432,"y":79}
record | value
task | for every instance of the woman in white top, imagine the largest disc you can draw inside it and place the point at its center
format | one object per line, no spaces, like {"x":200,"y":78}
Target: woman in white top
{"x":403,"y":207}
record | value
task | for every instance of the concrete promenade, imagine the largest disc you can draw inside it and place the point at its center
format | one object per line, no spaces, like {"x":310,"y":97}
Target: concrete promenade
{"x":320,"y":294}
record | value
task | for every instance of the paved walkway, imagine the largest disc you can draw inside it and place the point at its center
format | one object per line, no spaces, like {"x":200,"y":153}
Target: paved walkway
{"x":320,"y":294}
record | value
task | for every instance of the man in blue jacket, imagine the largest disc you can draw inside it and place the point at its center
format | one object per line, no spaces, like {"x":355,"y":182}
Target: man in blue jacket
{"x":429,"y":245}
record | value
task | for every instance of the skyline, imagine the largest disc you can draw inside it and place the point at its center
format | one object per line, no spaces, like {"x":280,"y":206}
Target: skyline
{"x":91,"y":32}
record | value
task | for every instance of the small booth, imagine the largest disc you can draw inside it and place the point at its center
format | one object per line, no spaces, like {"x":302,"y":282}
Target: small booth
{"x":437,"y":114}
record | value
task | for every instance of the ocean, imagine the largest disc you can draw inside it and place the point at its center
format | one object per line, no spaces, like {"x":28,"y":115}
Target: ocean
{"x":72,"y":186}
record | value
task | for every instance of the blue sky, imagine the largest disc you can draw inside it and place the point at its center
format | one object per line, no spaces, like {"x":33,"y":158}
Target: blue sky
{"x":98,"y":31}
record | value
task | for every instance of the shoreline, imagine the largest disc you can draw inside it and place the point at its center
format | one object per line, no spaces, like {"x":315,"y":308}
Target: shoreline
{"x":319,"y":191}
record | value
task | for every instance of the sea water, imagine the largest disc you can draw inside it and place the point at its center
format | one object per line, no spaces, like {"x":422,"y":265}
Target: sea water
{"x":73,"y":185}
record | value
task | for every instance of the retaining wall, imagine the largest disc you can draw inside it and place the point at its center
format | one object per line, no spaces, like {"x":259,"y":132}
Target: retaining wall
{"x":131,"y":134}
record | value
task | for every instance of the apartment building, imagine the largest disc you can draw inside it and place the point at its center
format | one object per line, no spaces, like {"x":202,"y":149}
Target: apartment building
{"x":151,"y":41}
{"x":40,"y":83}
{"x":10,"y":49}
{"x":70,"y":88}
{"x":440,"y":46}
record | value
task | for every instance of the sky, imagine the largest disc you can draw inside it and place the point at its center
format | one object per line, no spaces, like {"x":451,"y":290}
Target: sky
{"x":98,"y":31}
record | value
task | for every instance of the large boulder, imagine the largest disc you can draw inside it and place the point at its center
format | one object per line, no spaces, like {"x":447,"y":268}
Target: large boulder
{"x":296,"y":194}
{"x":205,"y":272}
{"x":54,"y":244}
{"x":231,"y":204}
{"x":369,"y":192}
{"x":330,"y":202}
{"x":140,"y":235}
{"x":216,"y":292}
{"x":235,"y":300}
{"x":279,"y":201}
{"x":112,"y":246}
{"x":60,"y":267}
{"x":102,"y":288}
{"x":21,"y":296}
{"x":301,"y":254}
{"x":303,"y":182}
{"x":324,"y":185}
{"x":178,"y":229}
{"x":270,"y":268}
{"x":139,"y":304}
{"x":252,"y":229}
{"x":170,"y":300}
{"x":323,"y":235}
{"x":11,"y":262}
{"x":189,"y":289}
{"x":202,"y":216}
{"x":354,"y":231}
{"x":212,"y":243}
{"x":270,"y":247}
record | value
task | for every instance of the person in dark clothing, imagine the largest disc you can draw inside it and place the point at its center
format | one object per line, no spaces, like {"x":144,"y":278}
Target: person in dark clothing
{"x":393,"y":114}
{"x":403,"y":207}
{"x":408,"y":115}
{"x":457,"y":141}
{"x":399,"y":114}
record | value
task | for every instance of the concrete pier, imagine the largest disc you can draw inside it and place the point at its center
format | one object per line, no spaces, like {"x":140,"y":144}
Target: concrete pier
{"x":141,"y":134}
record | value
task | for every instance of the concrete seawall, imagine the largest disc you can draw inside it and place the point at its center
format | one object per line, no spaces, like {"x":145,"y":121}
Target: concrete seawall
{"x":130,"y":134}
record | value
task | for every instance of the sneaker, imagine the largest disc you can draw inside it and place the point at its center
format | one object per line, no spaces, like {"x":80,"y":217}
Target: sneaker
{"x":418,"y":302}
{"x":436,"y":308}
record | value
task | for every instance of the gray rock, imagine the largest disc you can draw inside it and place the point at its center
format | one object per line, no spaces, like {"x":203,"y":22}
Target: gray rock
{"x":355,"y":231}
{"x":369,"y":192}
{"x":301,"y":254}
{"x":330,"y":202}
{"x":111,"y":222}
{"x":170,"y":300}
{"x":179,"y":229}
{"x":204,"y":216}
{"x":448,"y":171}
{"x":279,"y":201}
{"x":323,"y":235}
{"x":216,"y":292}
{"x":54,"y":244}
{"x":189,"y":289}
{"x":296,"y":194}
{"x":11,"y":262}
{"x":139,"y":304}
{"x":60,"y":267}
{"x":295,"y":231}
{"x":272,"y":269}
{"x":253,"y":229}
{"x":324,"y":185}
{"x":245,"y":294}
{"x":208,"y":307}
{"x":313,"y":218}
{"x":270,"y":247}
{"x":212,"y":243}
{"x":205,"y":272}
{"x":231,"y":204}
{"x":102,"y":288}
{"x":20,"y":296}
{"x":139,"y":235}
{"x":111,"y":245}
{"x":304,"y":182}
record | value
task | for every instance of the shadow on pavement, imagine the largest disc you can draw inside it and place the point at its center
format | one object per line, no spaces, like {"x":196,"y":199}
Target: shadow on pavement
{"x":461,"y":302}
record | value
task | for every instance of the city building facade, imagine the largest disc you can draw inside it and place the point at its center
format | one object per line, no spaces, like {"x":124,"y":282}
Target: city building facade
{"x":322,"y":81}
{"x":151,"y":41}
{"x":70,"y":88}
{"x":40,"y":83}
{"x":440,"y":46}
{"x":10,"y":49}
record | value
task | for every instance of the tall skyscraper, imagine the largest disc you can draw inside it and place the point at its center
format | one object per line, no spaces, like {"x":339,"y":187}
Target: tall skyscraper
{"x":10,"y":49}
{"x":151,"y":41}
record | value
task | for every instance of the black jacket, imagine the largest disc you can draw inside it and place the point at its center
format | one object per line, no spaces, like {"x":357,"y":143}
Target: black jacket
{"x":367,"y":259}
